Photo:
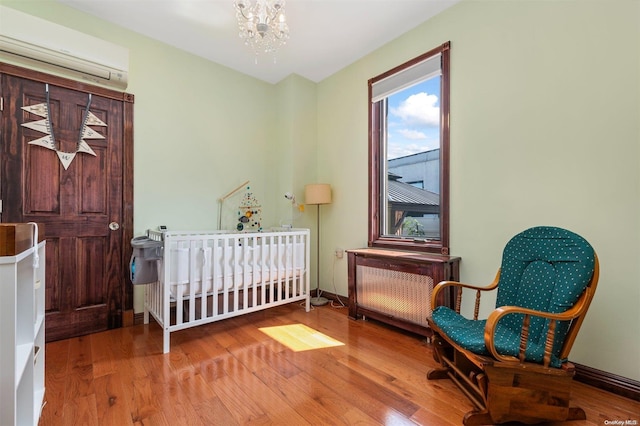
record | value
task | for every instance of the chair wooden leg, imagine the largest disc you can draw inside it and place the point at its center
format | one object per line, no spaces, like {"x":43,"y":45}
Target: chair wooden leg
{"x":481,"y":380}
{"x":438,"y":374}
{"x":476,"y":418}
{"x":576,"y":413}
{"x":439,"y":355}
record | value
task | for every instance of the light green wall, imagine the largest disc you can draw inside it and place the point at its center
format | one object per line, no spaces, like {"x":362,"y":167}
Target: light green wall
{"x":297,"y":134}
{"x":544,"y":130}
{"x":200,"y":130}
{"x":545,"y":120}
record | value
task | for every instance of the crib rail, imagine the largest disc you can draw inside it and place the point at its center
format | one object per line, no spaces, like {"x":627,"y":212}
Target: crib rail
{"x":210,"y":276}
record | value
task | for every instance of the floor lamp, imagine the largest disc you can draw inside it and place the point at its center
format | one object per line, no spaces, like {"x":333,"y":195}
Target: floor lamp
{"x":318,"y":193}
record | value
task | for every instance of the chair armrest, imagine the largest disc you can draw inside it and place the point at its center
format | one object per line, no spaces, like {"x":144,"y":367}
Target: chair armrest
{"x":497,"y":314}
{"x":444,"y":284}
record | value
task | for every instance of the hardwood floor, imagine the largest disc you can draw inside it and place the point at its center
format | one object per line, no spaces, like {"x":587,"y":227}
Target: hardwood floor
{"x":231,"y":373}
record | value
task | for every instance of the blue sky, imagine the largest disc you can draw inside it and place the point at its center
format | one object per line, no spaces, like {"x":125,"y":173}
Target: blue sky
{"x":414,"y":119}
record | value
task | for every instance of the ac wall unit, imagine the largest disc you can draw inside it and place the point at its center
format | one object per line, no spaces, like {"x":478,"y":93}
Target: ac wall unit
{"x":35,"y":43}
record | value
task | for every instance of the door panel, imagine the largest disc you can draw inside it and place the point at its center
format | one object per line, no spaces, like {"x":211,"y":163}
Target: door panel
{"x":85,"y":284}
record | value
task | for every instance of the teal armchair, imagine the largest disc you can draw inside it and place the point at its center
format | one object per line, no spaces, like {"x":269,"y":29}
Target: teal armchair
{"x":514,"y":365}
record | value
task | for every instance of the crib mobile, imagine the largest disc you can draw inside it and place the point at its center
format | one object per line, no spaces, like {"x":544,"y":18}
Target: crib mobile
{"x":249,"y":213}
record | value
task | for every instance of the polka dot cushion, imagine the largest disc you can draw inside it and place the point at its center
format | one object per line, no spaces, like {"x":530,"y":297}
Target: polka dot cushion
{"x":543,"y":268}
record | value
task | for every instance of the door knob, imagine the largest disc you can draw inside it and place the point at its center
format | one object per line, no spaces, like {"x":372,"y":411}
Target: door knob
{"x":114,"y":226}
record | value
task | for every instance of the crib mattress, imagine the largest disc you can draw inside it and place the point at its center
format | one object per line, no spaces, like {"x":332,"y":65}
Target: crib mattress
{"x":220,"y":268}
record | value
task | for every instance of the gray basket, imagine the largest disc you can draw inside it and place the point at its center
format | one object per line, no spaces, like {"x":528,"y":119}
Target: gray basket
{"x":143,"y":267}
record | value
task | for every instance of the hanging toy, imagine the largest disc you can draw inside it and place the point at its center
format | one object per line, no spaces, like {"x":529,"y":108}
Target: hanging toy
{"x":249,"y":213}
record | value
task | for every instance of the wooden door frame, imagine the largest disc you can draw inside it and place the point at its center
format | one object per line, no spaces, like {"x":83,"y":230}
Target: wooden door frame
{"x":127,"y":166}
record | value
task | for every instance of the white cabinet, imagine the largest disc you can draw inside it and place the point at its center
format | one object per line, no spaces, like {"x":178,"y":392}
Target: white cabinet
{"x":22,"y":286}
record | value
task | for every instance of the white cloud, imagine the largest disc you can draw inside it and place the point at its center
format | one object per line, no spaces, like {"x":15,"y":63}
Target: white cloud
{"x":412,"y":134}
{"x":397,"y":150}
{"x":419,"y":109}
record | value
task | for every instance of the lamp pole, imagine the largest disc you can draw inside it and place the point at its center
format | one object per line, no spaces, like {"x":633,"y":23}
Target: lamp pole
{"x":318,"y":300}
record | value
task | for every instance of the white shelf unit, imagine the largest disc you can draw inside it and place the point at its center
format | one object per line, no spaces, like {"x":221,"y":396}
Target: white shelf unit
{"x":22,"y":286}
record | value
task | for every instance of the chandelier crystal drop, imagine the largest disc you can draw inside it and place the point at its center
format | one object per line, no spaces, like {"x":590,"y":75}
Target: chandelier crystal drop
{"x":263,"y":25}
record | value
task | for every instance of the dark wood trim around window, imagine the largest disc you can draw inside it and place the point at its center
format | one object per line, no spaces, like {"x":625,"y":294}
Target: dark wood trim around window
{"x":374,"y":237}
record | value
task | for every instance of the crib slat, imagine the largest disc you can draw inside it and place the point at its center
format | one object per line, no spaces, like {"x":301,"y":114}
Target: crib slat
{"x":246,"y":273}
{"x":217,"y":273}
{"x":206,"y":266}
{"x":255,"y":271}
{"x":237,"y":276}
{"x":226,"y":273}
{"x":264,"y":270}
{"x":194,"y":253}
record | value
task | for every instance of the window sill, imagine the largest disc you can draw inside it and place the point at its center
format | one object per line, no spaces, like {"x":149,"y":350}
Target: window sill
{"x":427,"y":246}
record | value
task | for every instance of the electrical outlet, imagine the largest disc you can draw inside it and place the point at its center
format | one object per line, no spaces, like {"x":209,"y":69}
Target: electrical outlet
{"x":339,"y":253}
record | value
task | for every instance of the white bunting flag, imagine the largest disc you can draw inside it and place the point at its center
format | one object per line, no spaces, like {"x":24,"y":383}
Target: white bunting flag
{"x":89,"y":133}
{"x":66,"y":158}
{"x":45,"y":141}
{"x":38,"y":126}
{"x":39,"y":109}
{"x":84,"y":147}
{"x":92,"y":120}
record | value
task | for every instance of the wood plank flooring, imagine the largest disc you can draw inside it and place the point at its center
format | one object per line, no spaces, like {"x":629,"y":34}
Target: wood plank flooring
{"x":231,"y":373}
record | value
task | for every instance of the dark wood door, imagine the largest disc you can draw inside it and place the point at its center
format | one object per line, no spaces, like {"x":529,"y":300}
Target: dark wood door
{"x":79,"y":198}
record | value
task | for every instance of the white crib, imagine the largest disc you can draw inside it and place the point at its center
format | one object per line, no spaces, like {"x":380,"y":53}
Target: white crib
{"x":210,"y":276}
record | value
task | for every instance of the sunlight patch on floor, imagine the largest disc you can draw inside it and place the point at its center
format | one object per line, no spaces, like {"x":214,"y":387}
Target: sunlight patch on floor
{"x":299,"y":337}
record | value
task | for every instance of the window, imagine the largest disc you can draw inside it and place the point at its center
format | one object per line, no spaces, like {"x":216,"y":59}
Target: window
{"x":409,"y":155}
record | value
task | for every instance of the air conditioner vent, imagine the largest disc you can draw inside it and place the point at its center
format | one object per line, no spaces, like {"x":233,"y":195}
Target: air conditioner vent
{"x":32,"y":42}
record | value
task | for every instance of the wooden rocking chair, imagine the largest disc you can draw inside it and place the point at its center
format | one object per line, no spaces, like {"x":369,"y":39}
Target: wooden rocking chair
{"x":513,"y":366}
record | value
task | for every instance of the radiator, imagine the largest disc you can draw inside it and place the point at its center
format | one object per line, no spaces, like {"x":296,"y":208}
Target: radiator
{"x":402,"y":295}
{"x":395,"y":287}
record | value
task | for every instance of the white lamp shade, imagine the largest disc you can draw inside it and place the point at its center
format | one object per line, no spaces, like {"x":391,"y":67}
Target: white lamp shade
{"x":317,"y":193}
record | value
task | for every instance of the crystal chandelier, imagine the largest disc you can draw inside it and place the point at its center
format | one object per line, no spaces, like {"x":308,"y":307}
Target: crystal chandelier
{"x":262,"y":25}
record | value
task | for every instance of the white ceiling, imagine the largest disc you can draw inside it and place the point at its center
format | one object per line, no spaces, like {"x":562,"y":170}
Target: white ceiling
{"x":326,"y":35}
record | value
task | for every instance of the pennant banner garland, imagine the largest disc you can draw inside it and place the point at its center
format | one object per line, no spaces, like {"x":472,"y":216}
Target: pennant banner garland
{"x":48,"y":141}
